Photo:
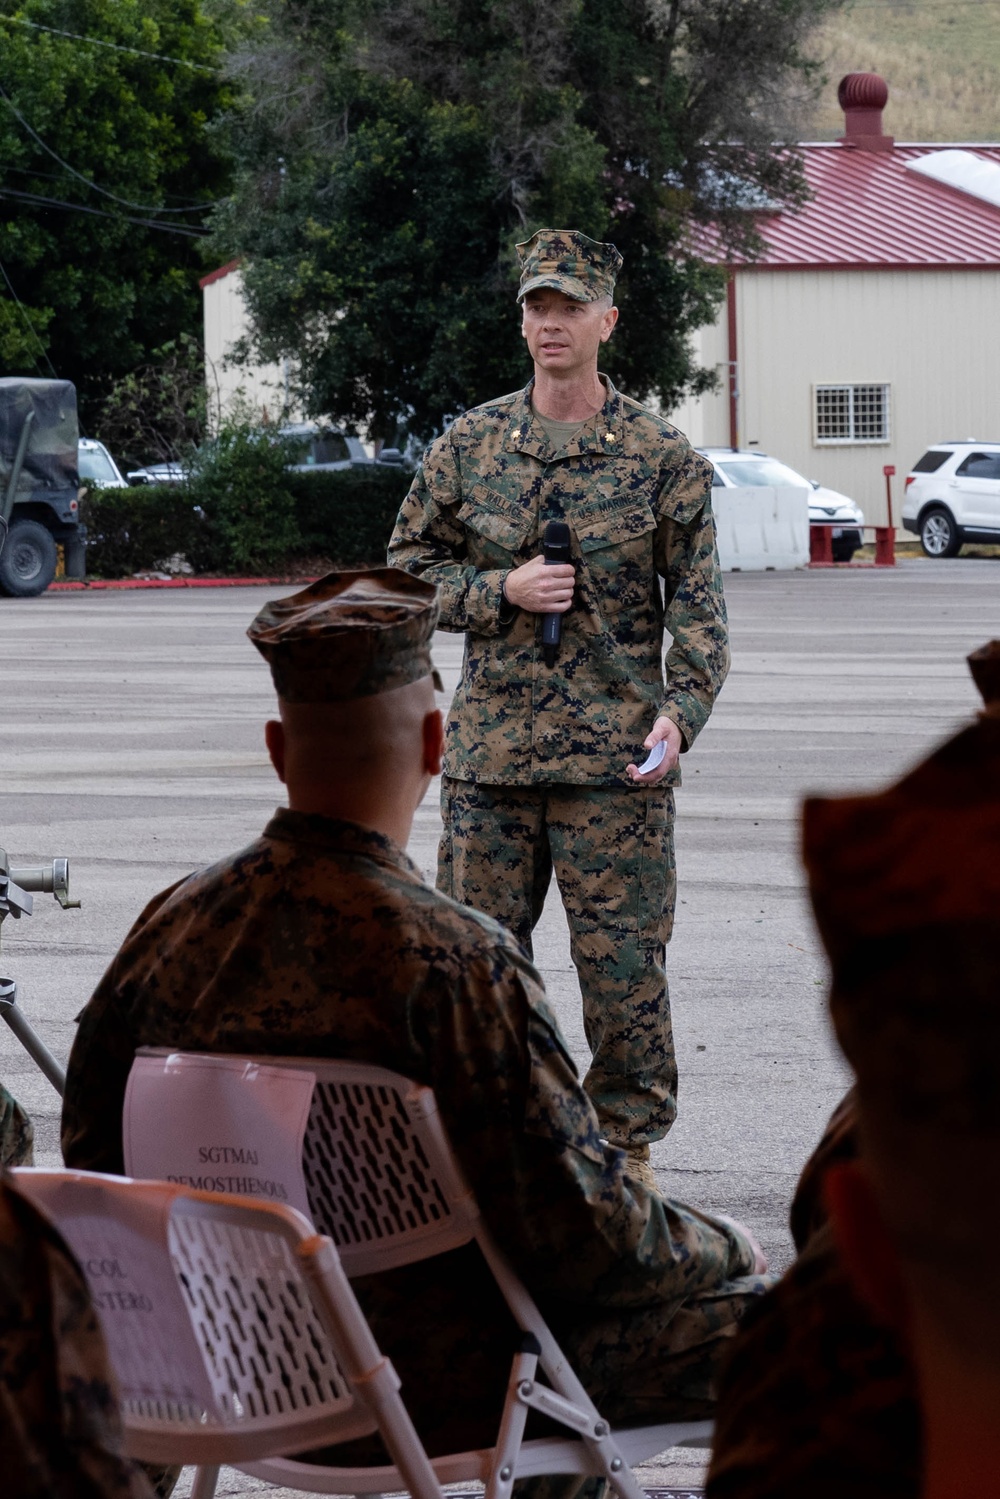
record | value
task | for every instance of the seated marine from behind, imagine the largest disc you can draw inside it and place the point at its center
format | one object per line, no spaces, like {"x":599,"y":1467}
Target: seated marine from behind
{"x":872,"y":1367}
{"x":321,"y":939}
{"x":915,"y":1001}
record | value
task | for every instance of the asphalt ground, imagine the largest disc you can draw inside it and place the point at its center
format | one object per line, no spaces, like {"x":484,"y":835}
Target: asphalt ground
{"x":131,"y":742}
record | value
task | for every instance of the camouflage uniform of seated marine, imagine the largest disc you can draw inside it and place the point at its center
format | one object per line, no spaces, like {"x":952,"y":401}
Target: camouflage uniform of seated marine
{"x":817,"y":1398}
{"x":321,"y":939}
{"x":60,"y":1432}
{"x":535,"y":768}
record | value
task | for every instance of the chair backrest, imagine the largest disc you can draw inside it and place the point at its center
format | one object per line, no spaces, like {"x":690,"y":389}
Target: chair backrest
{"x":377,"y":1165}
{"x":220,"y":1349}
{"x":371,"y":1161}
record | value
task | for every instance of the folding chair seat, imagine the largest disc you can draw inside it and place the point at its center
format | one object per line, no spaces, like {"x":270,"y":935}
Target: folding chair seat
{"x":231,"y":1328}
{"x":364,"y":1152}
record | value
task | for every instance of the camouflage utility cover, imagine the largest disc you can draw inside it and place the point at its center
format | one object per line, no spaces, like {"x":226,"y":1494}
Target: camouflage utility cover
{"x":637,"y":500}
{"x":349,"y":635}
{"x":50,"y":463}
{"x":321,"y":939}
{"x":567,"y":261}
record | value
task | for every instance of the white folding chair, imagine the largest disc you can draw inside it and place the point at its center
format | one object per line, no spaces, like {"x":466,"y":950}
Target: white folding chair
{"x":378,"y":1175}
{"x":231,"y":1328}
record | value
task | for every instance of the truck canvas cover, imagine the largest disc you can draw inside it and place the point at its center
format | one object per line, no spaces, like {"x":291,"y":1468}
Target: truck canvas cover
{"x":51,"y":458}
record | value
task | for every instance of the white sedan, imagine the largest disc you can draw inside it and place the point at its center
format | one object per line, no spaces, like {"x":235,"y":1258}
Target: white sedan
{"x":739,"y":467}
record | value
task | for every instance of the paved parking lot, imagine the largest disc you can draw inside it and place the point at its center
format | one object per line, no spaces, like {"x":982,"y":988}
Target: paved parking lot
{"x":130,"y":741}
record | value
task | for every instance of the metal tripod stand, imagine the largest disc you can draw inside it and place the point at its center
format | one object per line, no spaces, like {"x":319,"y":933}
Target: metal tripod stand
{"x":15,"y":900}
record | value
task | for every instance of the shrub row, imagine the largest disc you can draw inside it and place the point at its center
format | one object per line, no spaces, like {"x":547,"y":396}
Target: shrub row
{"x":340,"y":519}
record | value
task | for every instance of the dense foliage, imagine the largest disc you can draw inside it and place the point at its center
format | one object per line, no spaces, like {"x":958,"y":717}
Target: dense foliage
{"x":108,"y":166}
{"x":393,"y":151}
{"x":340,"y":519}
{"x":240,"y":483}
{"x":162,"y":409}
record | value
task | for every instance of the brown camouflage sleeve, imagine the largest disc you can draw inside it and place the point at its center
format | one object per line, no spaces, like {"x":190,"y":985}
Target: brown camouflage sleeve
{"x":97,"y":1072}
{"x":559,"y":1199}
{"x":96,"y":1077}
{"x":429,"y":540}
{"x":816,"y":1399}
{"x":687,"y":559}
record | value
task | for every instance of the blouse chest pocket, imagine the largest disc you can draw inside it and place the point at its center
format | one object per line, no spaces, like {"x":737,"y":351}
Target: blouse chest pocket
{"x":495,"y":528}
{"x":618,"y":569}
{"x":619,"y":527}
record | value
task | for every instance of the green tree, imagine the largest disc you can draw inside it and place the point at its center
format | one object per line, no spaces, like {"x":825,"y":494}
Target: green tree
{"x":393,"y":152}
{"x":162,"y":409}
{"x":108,"y":168}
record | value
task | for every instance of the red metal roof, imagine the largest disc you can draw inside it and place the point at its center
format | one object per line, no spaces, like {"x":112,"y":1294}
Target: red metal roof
{"x":223,"y":270}
{"x":868,"y":209}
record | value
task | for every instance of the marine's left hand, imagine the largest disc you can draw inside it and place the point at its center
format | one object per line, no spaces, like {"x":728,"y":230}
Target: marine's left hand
{"x":666,"y":729}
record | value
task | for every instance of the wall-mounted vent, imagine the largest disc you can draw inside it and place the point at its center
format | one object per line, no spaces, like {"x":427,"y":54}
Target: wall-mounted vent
{"x":963,"y":170}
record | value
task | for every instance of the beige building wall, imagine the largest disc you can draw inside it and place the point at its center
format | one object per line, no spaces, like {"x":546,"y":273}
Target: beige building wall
{"x":262,"y":387}
{"x":930,"y":335}
{"x":705,"y":420}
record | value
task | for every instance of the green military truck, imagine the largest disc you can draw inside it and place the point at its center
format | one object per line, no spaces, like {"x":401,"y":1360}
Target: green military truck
{"x":39,"y":485}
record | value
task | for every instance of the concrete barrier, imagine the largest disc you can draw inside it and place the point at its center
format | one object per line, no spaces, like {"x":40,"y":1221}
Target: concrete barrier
{"x":762,"y":528}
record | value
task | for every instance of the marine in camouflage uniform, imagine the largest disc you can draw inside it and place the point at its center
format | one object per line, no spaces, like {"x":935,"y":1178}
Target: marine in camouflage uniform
{"x":321,"y":939}
{"x":915,"y":985}
{"x":60,"y":1431}
{"x":819,"y":1398}
{"x":816,"y":1399}
{"x":535,"y":767}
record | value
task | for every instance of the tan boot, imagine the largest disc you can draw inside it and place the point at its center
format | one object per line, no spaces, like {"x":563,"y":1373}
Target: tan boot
{"x":639,"y":1168}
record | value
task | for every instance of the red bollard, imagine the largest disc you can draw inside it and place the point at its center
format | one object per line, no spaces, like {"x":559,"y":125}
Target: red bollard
{"x":885,"y":546}
{"x":820,"y":546}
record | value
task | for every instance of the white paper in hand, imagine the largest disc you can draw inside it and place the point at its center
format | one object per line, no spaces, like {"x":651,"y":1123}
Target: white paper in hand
{"x":656,"y":754}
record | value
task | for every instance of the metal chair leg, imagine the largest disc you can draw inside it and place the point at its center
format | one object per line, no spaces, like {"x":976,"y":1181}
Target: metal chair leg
{"x":205,"y":1480}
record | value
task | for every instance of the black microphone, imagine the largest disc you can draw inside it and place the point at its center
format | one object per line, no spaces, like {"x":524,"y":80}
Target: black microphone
{"x":555,"y":548}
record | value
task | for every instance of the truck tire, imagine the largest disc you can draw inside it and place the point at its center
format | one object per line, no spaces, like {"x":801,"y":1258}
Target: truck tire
{"x":28,"y":560}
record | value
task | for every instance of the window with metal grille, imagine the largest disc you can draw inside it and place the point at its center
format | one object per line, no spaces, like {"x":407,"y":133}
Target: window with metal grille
{"x":851,"y":413}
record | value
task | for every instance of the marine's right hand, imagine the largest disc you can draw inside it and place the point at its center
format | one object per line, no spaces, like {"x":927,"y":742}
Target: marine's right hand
{"x":541,"y":587}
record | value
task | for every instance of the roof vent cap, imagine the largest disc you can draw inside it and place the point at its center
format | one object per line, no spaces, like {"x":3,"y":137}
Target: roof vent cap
{"x":862,"y":97}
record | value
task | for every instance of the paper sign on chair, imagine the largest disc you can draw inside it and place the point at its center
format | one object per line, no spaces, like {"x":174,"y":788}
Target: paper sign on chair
{"x":242,"y":1135}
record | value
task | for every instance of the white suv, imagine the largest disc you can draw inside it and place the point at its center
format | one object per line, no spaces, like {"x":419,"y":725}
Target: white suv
{"x":953,"y":495}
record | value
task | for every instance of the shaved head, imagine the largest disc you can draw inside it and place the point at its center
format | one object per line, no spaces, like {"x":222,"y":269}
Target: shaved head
{"x":356,"y":734}
{"x":368,"y":760}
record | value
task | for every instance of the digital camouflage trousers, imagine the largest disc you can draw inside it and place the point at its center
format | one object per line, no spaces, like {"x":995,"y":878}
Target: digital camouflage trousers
{"x":612,"y":852}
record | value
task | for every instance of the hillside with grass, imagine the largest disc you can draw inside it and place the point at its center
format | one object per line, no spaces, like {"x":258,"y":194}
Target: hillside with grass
{"x":940,"y":58}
